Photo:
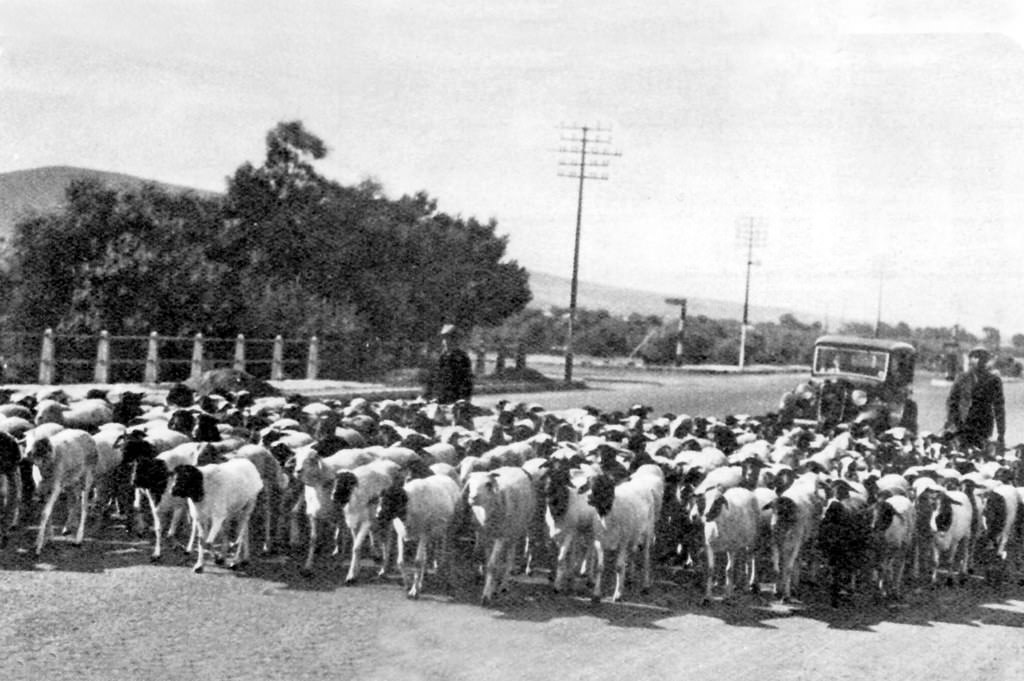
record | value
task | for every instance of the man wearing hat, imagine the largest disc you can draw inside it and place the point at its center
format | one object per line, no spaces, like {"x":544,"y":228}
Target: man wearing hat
{"x":453,"y":376}
{"x":975,"y":404}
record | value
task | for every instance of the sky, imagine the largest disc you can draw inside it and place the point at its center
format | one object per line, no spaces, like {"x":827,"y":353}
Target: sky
{"x":876,"y":147}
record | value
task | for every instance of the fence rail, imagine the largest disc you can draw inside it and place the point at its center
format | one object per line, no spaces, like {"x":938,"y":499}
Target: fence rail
{"x":53,"y":357}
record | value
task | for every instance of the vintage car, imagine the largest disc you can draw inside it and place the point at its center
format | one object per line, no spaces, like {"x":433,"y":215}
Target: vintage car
{"x":857,"y":380}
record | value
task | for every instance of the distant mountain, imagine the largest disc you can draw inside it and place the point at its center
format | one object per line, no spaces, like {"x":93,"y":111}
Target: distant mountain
{"x":42,"y":190}
{"x":553,"y":291}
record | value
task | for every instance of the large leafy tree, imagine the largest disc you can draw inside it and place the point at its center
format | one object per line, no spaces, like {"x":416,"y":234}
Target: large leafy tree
{"x":392,"y":269}
{"x":128,"y":262}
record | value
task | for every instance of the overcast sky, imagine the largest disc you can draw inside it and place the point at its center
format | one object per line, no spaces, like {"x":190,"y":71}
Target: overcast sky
{"x":877,"y":146}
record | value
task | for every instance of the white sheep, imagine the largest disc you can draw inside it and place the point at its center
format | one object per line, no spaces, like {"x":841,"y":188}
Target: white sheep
{"x":569,"y":518}
{"x":217,"y":493}
{"x":317,"y":475}
{"x":66,"y":460}
{"x":154,"y":476}
{"x":358,"y":492}
{"x":626,"y":519}
{"x":893,"y":522}
{"x":274,"y":482}
{"x":795,"y":515}
{"x":731,"y":519}
{"x":502,"y":502}
{"x":423,"y":509}
{"x":88,"y":414}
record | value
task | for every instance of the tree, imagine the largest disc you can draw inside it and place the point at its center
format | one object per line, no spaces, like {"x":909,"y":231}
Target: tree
{"x":128,"y":262}
{"x":991,"y":337}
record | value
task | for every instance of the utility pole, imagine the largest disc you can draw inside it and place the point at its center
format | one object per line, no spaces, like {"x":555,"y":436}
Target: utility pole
{"x":750,"y":233}
{"x":584,"y":169}
{"x":878,"y":315}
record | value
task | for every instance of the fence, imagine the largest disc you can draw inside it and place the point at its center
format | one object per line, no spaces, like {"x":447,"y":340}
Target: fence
{"x":80,"y":358}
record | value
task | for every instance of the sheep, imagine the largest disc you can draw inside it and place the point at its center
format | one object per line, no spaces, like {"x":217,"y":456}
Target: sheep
{"x":567,"y":516}
{"x":66,"y":460}
{"x":795,"y":514}
{"x":358,"y":492}
{"x":424,"y":509}
{"x":113,"y":478}
{"x":502,"y":503}
{"x":998,"y":520}
{"x":217,"y":493}
{"x":949,"y":523}
{"x":153,"y":475}
{"x":893,"y":521}
{"x":317,"y":475}
{"x":274,"y":482}
{"x":10,"y":485}
{"x":844,"y":534}
{"x":626,"y":519}
{"x":731,"y":519}
{"x":86,"y":415}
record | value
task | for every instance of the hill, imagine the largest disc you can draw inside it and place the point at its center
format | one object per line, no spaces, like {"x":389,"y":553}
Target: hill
{"x":41,"y":190}
{"x":553,"y":291}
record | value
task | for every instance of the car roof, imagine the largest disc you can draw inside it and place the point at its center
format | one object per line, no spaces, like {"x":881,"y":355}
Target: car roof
{"x":865,"y":343}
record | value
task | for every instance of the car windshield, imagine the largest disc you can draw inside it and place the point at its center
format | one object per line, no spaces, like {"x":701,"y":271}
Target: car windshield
{"x":832,"y":360}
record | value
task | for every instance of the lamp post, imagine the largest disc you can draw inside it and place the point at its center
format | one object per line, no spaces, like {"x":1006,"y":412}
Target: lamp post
{"x":681,"y":302}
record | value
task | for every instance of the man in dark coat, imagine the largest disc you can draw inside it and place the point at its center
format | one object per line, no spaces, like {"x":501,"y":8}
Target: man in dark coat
{"x":453,"y":376}
{"x":975,"y":404}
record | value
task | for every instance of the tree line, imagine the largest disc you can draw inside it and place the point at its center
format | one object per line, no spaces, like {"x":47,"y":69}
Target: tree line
{"x":788,"y":341}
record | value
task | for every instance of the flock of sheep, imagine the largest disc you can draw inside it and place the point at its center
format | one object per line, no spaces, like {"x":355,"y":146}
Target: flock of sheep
{"x":518,"y":487}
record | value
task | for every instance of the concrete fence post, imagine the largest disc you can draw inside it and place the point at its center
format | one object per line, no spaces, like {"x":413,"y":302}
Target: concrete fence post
{"x":46,"y":359}
{"x":313,"y":363}
{"x":101,"y":372}
{"x":152,"y":370}
{"x":239,"y":364}
{"x":277,"y":361}
{"x":197,"y":357}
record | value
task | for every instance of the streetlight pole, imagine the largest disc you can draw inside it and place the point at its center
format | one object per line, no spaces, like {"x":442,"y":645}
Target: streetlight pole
{"x":681,"y":302}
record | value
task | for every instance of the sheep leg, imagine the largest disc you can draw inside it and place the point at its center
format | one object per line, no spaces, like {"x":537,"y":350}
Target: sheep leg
{"x":620,"y":571}
{"x":84,"y":506}
{"x":242,"y":541}
{"x":358,"y":537}
{"x":297,"y":510}
{"x":400,"y":554}
{"x":710,"y":576}
{"x":752,"y":585}
{"x":14,"y":484}
{"x":595,"y":596}
{"x":421,"y":566}
{"x":647,"y":581}
{"x":895,"y":584}
{"x":385,"y":552}
{"x":564,"y":549}
{"x":730,"y":565}
{"x":44,"y":520}
{"x":307,"y":567}
{"x":497,"y":550}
